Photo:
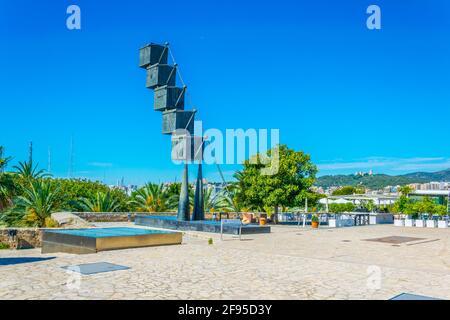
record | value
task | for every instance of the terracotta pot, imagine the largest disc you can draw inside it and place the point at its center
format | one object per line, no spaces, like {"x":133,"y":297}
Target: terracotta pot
{"x":262,"y":221}
{"x":315,"y":224}
{"x":247,"y":218}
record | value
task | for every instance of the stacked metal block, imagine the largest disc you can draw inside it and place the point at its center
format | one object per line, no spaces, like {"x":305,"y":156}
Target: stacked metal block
{"x":169,"y":99}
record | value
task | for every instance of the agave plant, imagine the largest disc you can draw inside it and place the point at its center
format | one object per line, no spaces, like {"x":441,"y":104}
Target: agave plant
{"x":231,"y":194}
{"x":27,"y":172}
{"x":215,"y":201}
{"x":151,"y":198}
{"x":37,"y":202}
{"x":101,"y":202}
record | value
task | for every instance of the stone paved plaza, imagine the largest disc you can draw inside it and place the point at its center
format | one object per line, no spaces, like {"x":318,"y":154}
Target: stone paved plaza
{"x":289,"y":263}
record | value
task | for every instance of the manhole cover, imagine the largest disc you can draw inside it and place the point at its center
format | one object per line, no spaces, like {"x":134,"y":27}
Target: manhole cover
{"x":408,"y":296}
{"x":346,"y":241}
{"x":394,"y":239}
{"x":93,"y":268}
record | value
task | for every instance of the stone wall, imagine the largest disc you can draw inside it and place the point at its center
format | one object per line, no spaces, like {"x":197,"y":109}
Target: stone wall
{"x":22,"y":238}
{"x":123,"y":216}
{"x":105,"y":216}
{"x":114,"y":216}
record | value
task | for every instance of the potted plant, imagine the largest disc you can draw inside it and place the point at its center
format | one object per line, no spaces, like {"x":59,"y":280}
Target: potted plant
{"x":263,"y":219}
{"x":315,"y":221}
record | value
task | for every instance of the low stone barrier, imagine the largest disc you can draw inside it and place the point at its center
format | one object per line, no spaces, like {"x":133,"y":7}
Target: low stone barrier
{"x":21,"y":238}
{"x":106,"y":216}
{"x":125,"y":216}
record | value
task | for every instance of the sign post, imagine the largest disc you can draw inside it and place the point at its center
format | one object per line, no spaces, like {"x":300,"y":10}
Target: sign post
{"x":230,"y":222}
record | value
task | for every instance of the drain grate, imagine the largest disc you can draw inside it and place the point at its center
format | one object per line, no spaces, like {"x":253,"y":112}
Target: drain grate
{"x":93,"y":268}
{"x":394,"y":239}
{"x":409,"y":296}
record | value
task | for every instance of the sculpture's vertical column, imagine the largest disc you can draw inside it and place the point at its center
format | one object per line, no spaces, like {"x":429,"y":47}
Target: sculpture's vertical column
{"x":199,"y":208}
{"x":183,"y":205}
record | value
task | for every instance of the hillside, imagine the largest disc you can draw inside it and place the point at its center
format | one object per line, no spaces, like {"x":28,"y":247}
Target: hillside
{"x":379,"y":181}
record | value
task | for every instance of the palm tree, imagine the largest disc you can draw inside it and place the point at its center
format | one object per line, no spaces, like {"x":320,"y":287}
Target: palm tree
{"x":3,"y":161}
{"x":152,"y":198}
{"x":27,"y":172}
{"x":38,"y":202}
{"x":7,"y":190}
{"x":102,"y":202}
{"x":6,"y":182}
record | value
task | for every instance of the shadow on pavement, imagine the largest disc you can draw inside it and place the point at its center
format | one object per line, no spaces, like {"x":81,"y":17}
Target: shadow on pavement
{"x":20,"y":260}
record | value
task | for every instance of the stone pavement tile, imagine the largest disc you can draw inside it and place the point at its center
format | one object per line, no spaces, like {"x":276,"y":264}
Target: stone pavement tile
{"x":290,"y":263}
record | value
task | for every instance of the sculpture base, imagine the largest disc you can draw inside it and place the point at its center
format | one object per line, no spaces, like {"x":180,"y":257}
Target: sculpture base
{"x":81,"y":241}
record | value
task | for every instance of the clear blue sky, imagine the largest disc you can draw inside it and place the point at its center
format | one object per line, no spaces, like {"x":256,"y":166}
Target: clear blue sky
{"x":353,"y":98}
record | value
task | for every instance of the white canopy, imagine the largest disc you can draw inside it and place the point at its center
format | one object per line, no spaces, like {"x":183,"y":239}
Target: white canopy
{"x":330,"y":201}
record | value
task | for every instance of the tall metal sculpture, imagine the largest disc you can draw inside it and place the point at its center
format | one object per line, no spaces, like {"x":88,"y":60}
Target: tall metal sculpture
{"x":199,"y":206}
{"x":177,"y":122}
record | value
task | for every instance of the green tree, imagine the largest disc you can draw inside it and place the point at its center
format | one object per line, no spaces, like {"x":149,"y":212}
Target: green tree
{"x":27,"y":172}
{"x":404,"y":204}
{"x":7,"y":190}
{"x":38,"y":202}
{"x":349,"y":190}
{"x":3,"y":160}
{"x":7,"y":186}
{"x":74,"y":189}
{"x":102,"y":202}
{"x":296,"y":174}
{"x":151,"y":198}
{"x":405,"y":190}
{"x":341,"y":207}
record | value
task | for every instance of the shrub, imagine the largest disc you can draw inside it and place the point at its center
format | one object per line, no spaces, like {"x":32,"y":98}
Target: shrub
{"x":51,"y":223}
{"x":4,"y":246}
{"x":341,"y":207}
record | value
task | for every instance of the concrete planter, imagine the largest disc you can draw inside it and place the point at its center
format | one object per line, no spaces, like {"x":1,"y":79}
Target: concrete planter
{"x":442,"y":224}
{"x":399,"y":222}
{"x":409,"y":223}
{"x":420,"y":223}
{"x":381,"y":218}
{"x":332,"y":223}
{"x":339,"y":223}
{"x":431,"y":224}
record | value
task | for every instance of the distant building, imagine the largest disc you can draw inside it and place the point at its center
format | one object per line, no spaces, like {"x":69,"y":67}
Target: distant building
{"x":430,"y":186}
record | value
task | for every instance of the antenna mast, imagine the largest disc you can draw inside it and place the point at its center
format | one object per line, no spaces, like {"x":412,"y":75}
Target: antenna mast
{"x":49,"y":168}
{"x":71,"y":158}
{"x":30,"y":153}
